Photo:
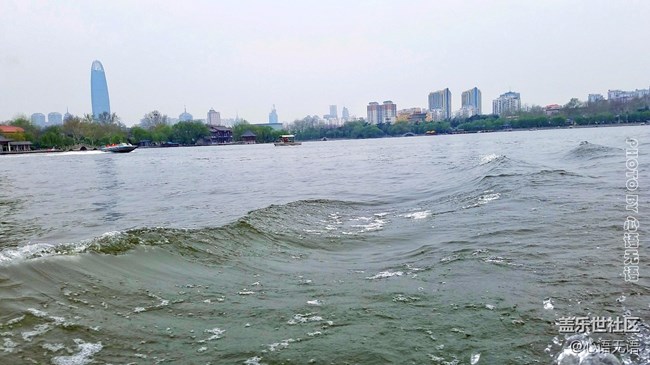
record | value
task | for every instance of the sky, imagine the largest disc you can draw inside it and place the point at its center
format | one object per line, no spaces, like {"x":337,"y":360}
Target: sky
{"x":241,"y":57}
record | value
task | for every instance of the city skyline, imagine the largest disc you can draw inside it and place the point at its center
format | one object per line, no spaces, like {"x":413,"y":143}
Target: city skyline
{"x":155,"y":65}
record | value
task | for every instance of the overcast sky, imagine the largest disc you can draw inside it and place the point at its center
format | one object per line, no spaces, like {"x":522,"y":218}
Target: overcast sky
{"x":243,"y":56}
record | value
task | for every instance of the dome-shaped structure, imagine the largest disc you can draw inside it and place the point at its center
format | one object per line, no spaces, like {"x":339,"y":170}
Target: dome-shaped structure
{"x":185,"y":116}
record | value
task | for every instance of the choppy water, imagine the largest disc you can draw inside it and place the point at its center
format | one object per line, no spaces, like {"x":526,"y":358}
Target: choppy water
{"x":461,"y":249}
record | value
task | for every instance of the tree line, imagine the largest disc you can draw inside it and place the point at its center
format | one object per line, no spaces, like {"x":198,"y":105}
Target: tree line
{"x":575,"y":112}
{"x":155,"y":127}
{"x":108,"y":129}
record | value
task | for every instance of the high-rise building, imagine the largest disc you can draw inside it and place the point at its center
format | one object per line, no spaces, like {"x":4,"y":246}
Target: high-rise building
{"x":38,"y":119}
{"x":214,"y":117}
{"x":273,"y":116}
{"x":334,"y":114}
{"x":185,"y":116}
{"x":345,"y":114}
{"x":54,"y":118}
{"x":384,"y":113}
{"x":441,"y":99}
{"x":508,"y":103}
{"x":625,"y":96}
{"x":471,"y":98}
{"x":99,"y":90}
{"x":594,"y":98}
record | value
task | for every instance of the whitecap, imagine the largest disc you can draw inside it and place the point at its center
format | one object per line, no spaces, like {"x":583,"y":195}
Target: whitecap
{"x":304,"y":318}
{"x":84,"y":356}
{"x":486,"y":198}
{"x":253,"y":361}
{"x":216,"y":333}
{"x":280,"y":345}
{"x":418,"y":215}
{"x":15,"y":320}
{"x":488,"y":158}
{"x":54,"y":347}
{"x":8,"y":345}
{"x":38,"y":330}
{"x":385,"y":274}
{"x":548,"y":304}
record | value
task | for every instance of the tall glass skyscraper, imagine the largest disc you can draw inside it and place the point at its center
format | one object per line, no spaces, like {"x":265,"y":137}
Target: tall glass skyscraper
{"x":99,"y":90}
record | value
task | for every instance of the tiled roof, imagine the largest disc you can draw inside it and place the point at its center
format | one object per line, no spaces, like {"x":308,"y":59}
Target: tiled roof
{"x":10,"y":129}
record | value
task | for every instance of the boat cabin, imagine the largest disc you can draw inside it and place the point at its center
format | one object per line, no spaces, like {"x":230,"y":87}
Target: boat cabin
{"x":287,"y":138}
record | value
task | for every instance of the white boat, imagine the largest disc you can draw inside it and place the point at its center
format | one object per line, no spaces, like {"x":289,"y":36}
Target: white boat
{"x":287,"y":140}
{"x":119,"y":148}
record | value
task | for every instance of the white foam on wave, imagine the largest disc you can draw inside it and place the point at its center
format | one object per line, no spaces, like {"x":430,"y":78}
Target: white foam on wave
{"x":280,"y":345}
{"x":14,"y":321}
{"x":548,"y":304}
{"x":304,"y":318}
{"x":38,"y":330}
{"x":385,"y":274}
{"x":54,"y":347}
{"x":84,"y":356}
{"x":315,"y":302}
{"x":8,"y":345}
{"x":75,"y":153}
{"x":484,"y":199}
{"x":488,"y":158}
{"x":32,"y":251}
{"x":368,"y":224}
{"x":418,"y":215}
{"x":43,"y":327}
{"x":253,"y":361}
{"x":216,"y":332}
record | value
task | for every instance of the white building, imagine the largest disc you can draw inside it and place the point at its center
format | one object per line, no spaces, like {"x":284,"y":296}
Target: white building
{"x":466,"y":111}
{"x":436,"y":115}
{"x":508,"y":103}
{"x":620,"y":95}
{"x":214,"y":117}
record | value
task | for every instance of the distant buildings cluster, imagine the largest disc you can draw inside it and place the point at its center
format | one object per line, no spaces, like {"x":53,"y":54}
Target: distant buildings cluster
{"x":53,"y":118}
{"x":619,"y":95}
{"x":440,"y":107}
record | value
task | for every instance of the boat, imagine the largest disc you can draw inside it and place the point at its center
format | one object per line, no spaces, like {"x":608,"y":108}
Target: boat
{"x":119,"y":148}
{"x":287,"y":140}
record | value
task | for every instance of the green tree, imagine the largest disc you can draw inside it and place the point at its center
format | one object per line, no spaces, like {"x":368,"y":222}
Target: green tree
{"x":161,"y":133}
{"x":137,"y":134}
{"x":31,"y":131}
{"x":189,"y":132}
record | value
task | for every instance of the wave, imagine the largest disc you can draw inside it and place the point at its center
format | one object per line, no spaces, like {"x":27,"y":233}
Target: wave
{"x":587,"y":150}
{"x":297,"y":225}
